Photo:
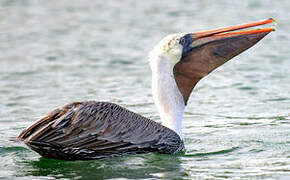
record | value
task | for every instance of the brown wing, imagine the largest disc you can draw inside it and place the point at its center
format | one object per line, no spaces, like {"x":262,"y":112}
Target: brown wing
{"x":94,"y":130}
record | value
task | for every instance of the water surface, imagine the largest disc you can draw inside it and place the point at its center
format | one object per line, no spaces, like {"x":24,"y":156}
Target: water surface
{"x":236,"y":123}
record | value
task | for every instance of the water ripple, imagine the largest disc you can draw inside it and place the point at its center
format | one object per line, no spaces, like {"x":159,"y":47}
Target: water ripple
{"x":224,"y":151}
{"x":236,"y":123}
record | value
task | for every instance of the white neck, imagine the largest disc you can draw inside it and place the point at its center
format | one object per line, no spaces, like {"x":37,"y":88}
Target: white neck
{"x":167,"y":97}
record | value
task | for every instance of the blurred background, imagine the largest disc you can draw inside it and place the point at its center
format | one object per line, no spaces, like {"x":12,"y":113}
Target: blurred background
{"x":53,"y":52}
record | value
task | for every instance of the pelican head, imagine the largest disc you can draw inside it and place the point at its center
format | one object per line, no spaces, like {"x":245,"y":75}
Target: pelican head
{"x":194,"y":55}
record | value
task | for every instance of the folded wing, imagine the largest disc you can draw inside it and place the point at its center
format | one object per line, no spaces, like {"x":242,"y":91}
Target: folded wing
{"x":95,"y":130}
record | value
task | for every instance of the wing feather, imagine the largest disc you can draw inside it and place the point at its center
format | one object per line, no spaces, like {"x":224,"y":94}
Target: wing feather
{"x":94,"y":130}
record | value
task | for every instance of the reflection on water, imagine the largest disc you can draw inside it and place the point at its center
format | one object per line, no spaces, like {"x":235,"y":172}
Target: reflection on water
{"x":131,"y":167}
{"x":236,"y":123}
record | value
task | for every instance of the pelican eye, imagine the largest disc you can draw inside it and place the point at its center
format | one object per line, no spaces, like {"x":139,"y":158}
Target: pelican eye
{"x":182,"y":41}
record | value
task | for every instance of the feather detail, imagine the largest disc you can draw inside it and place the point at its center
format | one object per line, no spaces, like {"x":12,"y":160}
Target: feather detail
{"x":95,"y":130}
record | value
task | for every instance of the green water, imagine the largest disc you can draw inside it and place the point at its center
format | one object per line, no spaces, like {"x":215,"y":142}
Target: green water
{"x":237,"y":122}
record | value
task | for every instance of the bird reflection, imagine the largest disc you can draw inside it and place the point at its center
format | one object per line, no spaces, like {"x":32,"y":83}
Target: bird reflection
{"x":131,"y":167}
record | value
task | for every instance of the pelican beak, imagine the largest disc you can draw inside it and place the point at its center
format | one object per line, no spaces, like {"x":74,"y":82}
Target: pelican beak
{"x":206,"y":50}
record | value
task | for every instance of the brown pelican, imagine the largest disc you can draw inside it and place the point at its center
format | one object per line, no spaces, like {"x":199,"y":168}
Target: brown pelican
{"x":95,"y":130}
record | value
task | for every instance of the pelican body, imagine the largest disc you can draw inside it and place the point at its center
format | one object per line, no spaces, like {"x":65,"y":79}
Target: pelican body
{"x":95,"y":130}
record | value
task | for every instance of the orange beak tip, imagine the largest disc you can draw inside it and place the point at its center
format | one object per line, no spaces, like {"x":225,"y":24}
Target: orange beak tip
{"x":273,"y":20}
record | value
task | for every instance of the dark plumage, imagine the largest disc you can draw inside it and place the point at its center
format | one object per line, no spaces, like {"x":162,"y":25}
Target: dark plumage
{"x":95,"y":130}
